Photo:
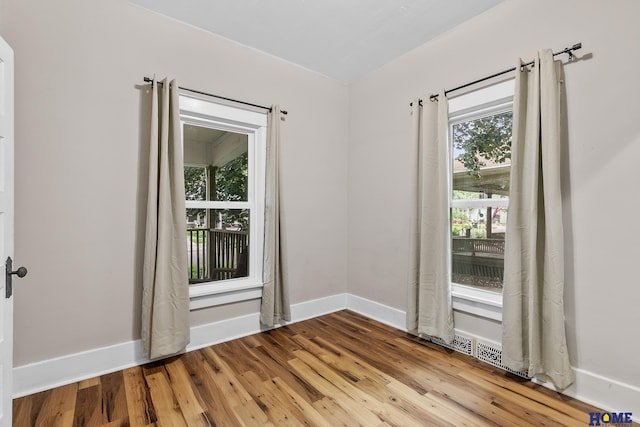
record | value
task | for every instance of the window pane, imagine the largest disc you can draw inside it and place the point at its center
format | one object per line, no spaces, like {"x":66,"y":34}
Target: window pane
{"x":217,"y":244}
{"x":195,"y":183}
{"x":217,"y":164}
{"x":482,"y":157}
{"x":477,"y":246}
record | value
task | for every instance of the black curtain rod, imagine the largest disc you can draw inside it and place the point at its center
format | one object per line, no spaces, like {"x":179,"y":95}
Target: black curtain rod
{"x":567,"y":50}
{"x":150,"y":80}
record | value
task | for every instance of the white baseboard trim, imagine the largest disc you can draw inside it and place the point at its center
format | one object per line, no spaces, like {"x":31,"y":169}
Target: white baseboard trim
{"x":602,"y":392}
{"x":50,"y":373}
{"x":318,"y":307}
{"x":59,"y":371}
{"x":610,"y":395}
{"x":224,"y":330}
{"x":238,"y":327}
{"x":376,"y":311}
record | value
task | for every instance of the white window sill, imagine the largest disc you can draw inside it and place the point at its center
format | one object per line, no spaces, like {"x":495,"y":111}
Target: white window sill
{"x":226,"y":292}
{"x":477,"y":301}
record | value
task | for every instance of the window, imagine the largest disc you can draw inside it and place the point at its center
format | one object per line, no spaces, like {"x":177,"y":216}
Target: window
{"x":224,"y":164}
{"x":480,"y":153}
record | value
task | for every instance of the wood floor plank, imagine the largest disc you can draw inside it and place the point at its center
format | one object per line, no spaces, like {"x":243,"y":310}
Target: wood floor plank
{"x":384,"y":410}
{"x":294,"y":415}
{"x":338,"y":397}
{"x":24,"y":413}
{"x":368,"y":378}
{"x":335,"y":415}
{"x":167,"y":408}
{"x":403,"y":397}
{"x":440,"y":382}
{"x":251,"y":414}
{"x":242,"y":358}
{"x":180,"y":380}
{"x":242,"y":355}
{"x":341,"y":369}
{"x":472,"y":400}
{"x":275,"y":364}
{"x":341,"y":360}
{"x":542,"y":413}
{"x":266,"y":401}
{"x":139,"y":406}
{"x":288,"y":397}
{"x":114,"y":396}
{"x":58,"y":407}
{"x":225,"y":378}
{"x":351,"y":339}
{"x":210,"y":396}
{"x":88,"y":410}
{"x":91,"y":382}
{"x":437,"y":406}
{"x":118,"y":423}
{"x":528,"y":394}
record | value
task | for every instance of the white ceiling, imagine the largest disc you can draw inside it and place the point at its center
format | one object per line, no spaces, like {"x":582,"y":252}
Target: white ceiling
{"x":342,"y":39}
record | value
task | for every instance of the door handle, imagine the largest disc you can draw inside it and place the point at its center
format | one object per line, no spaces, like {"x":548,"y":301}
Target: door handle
{"x":20,"y":272}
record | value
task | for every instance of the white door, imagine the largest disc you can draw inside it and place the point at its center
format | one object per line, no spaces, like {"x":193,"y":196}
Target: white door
{"x":6,"y":229}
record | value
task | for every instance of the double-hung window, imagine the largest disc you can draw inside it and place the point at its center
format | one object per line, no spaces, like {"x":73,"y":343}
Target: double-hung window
{"x":224,"y":168}
{"x":480,"y":152}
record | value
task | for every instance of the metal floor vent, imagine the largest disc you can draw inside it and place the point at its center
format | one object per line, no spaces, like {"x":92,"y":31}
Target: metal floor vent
{"x":492,"y":355}
{"x":460,"y":344}
{"x":484,"y":352}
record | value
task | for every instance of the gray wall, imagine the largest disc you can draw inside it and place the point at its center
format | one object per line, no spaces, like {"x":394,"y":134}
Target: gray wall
{"x":80,"y":161}
{"x":599,"y":166}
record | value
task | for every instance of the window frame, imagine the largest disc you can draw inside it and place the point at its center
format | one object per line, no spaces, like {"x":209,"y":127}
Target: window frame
{"x":206,"y":112}
{"x":487,"y":101}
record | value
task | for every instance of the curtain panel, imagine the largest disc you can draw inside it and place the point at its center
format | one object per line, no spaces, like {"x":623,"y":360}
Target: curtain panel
{"x":533,"y":331}
{"x":275,"y":306}
{"x":165,"y":294}
{"x":430,"y":310}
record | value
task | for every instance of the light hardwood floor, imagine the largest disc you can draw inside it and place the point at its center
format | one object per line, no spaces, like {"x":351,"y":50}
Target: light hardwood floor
{"x":341,"y":369}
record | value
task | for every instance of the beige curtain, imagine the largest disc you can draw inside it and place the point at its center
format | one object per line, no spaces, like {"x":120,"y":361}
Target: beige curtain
{"x":429,"y":310}
{"x":533,"y":334}
{"x":275,"y":308}
{"x":165,"y":295}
